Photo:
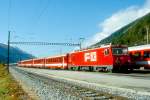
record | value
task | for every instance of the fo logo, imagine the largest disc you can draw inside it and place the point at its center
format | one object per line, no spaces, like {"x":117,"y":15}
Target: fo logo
{"x":90,"y":56}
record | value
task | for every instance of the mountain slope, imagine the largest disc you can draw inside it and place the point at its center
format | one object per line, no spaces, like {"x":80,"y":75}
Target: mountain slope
{"x":134,"y":33}
{"x":15,"y":54}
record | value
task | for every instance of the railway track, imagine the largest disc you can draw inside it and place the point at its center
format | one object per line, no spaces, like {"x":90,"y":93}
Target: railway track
{"x":65,"y":89}
{"x":135,"y":74}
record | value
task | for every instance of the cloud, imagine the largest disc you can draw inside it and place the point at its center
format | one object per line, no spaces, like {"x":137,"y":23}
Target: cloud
{"x":118,"y":20}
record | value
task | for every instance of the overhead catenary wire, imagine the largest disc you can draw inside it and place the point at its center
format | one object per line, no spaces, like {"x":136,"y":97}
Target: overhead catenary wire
{"x":45,"y":43}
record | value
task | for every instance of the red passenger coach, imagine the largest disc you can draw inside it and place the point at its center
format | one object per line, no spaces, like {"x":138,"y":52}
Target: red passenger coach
{"x":106,"y":57}
{"x":140,"y":56}
{"x":56,"y":62}
{"x":39,"y":63}
{"x":25,"y":63}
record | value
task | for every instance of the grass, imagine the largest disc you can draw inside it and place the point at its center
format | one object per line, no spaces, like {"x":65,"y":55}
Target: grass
{"x":9,"y":88}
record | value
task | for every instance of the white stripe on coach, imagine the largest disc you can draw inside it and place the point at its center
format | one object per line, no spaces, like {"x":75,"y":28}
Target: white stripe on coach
{"x":143,"y":62}
{"x":141,"y":47}
{"x":57,"y":64}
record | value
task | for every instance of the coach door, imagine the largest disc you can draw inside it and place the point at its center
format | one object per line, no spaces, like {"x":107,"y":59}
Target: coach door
{"x":146,"y":59}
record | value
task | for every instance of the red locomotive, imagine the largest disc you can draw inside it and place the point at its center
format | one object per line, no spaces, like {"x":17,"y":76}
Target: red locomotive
{"x":140,"y":56}
{"x":106,"y":57}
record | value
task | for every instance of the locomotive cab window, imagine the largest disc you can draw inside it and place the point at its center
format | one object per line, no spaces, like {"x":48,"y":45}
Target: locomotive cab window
{"x":106,"y":52}
{"x":147,"y":54}
{"x":118,"y":51}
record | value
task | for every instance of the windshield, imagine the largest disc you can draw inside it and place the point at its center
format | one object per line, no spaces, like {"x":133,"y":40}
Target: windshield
{"x":118,"y":51}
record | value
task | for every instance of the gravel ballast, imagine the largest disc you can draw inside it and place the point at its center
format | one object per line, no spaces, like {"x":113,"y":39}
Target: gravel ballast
{"x":59,"y":88}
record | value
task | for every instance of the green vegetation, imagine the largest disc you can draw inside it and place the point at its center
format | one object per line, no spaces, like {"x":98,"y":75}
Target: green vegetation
{"x":133,"y":34}
{"x":9,"y":88}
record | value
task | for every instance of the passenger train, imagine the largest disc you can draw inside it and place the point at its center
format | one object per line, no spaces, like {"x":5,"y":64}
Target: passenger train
{"x":140,"y":56}
{"x":104,"y":58}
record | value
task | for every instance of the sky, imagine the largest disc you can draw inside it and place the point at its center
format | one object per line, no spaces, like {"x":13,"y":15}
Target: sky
{"x":65,"y":21}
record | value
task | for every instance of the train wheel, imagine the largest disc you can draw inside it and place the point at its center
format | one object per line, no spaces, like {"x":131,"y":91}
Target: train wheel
{"x":124,"y":70}
{"x":71,"y":68}
{"x":91,"y":68}
{"x":75,"y":68}
{"x":130,"y":70}
{"x":79,"y":68}
{"x":115,"y":70}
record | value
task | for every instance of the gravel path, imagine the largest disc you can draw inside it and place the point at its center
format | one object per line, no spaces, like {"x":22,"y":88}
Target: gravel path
{"x":49,"y":88}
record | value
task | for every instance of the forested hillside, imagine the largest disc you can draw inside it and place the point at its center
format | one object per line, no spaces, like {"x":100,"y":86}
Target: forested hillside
{"x":133,"y":34}
{"x":15,"y":54}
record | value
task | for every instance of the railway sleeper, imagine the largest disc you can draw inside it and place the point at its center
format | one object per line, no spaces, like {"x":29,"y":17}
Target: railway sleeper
{"x":82,"y":90}
{"x":88,"y":92}
{"x":98,"y":98}
{"x":92,"y":95}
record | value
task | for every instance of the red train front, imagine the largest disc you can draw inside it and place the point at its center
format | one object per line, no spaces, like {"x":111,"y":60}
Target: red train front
{"x":106,"y":57}
{"x":121,"y":59}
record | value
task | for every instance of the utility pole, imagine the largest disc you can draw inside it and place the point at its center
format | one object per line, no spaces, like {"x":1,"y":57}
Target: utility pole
{"x":8,"y":51}
{"x":80,"y":43}
{"x":147,"y":30}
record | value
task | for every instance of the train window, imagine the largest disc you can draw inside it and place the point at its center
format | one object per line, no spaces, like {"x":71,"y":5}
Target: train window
{"x":50,"y":60}
{"x":55,"y":59}
{"x":147,"y":54}
{"x":119,"y":51}
{"x":106,"y":52}
{"x":137,"y":54}
{"x":59,"y":60}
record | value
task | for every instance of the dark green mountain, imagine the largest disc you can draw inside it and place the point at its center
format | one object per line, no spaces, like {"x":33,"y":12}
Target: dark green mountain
{"x":134,"y":33}
{"x":15,"y":54}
